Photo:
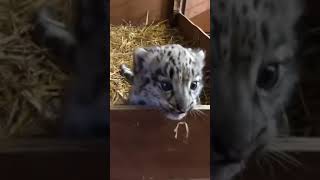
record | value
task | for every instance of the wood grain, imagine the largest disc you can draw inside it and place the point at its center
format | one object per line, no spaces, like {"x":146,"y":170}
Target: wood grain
{"x":142,"y":142}
{"x":136,"y":11}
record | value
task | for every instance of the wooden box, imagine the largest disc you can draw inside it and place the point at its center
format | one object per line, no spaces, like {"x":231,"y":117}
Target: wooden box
{"x":142,"y":142}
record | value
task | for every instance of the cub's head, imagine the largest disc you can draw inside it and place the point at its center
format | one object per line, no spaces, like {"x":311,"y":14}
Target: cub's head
{"x":169,"y":78}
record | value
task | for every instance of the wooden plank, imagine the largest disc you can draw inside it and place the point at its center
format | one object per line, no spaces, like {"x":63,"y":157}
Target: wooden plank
{"x":135,"y":11}
{"x":52,"y":145}
{"x":296,"y":144}
{"x":142,"y":143}
{"x":203,"y":21}
{"x":139,"y":108}
{"x":38,"y":158}
{"x":195,"y":7}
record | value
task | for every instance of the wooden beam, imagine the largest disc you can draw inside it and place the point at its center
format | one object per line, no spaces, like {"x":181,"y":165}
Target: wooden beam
{"x":296,"y":144}
{"x":40,"y":157}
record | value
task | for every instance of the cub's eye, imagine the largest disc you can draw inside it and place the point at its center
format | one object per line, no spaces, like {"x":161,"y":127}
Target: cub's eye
{"x":166,"y":86}
{"x":194,"y":85}
{"x":268,"y":76}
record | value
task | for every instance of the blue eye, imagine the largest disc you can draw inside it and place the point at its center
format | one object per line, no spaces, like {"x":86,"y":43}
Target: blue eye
{"x":166,"y":86}
{"x":194,"y":85}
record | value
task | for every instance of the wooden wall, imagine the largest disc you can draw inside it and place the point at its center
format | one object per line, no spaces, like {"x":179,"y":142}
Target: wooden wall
{"x":195,"y":7}
{"x":136,"y":11}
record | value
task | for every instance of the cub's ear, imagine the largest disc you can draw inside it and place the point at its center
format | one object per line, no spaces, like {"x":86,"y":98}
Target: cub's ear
{"x":199,"y":56}
{"x":142,"y":58}
{"x":139,"y":58}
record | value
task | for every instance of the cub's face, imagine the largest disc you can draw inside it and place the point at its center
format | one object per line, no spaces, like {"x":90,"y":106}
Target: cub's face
{"x":169,"y":78}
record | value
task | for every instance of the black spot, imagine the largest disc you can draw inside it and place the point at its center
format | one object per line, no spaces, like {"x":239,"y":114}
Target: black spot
{"x":172,"y":60}
{"x":244,"y":9}
{"x":141,"y":102}
{"x":159,"y":72}
{"x":192,"y":72}
{"x":265,"y":32}
{"x":169,"y":53}
{"x":256,"y":4}
{"x":171,"y":73}
{"x":147,"y":80}
{"x":140,"y":62}
{"x":154,"y":79}
{"x":189,"y":60}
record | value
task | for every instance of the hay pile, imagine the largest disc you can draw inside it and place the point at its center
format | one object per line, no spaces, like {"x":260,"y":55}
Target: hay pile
{"x":30,"y":84}
{"x":124,"y":39}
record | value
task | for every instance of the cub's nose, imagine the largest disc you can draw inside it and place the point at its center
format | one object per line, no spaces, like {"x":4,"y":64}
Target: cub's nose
{"x":183,"y":106}
{"x":181,"y":109}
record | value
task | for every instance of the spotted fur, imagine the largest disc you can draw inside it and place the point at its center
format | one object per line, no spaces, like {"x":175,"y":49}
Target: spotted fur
{"x":167,"y":77}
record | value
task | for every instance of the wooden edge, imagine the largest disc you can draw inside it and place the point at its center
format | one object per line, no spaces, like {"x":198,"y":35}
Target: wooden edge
{"x":296,"y":144}
{"x":136,"y":107}
{"x":23,"y":145}
{"x":47,"y":145}
{"x":203,"y":21}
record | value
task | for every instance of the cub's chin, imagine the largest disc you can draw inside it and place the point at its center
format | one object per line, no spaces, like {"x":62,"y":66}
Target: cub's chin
{"x":175,"y":116}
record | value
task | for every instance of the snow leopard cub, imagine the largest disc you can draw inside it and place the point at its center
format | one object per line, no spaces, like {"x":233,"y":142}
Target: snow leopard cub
{"x":168,"y":77}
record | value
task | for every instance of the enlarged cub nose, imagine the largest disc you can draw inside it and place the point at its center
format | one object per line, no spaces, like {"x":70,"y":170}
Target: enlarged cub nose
{"x":183,"y":107}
